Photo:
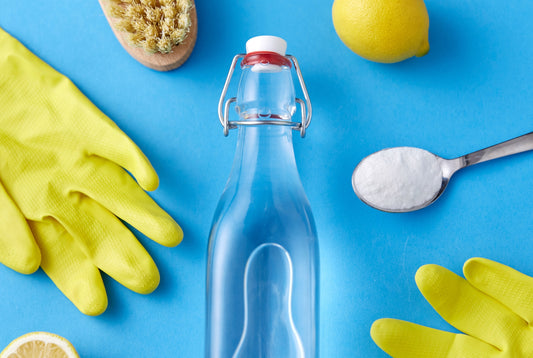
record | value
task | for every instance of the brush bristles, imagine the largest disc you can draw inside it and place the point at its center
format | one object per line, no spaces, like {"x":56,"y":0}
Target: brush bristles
{"x":155,"y":25}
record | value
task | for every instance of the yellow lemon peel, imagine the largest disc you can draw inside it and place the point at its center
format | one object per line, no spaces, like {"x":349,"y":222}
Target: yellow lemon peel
{"x":384,"y":31}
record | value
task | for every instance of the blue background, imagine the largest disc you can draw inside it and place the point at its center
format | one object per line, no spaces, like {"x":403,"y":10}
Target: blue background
{"x":472,"y":90}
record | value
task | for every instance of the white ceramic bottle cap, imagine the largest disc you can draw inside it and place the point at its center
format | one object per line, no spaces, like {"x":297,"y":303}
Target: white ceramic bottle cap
{"x":266,"y":43}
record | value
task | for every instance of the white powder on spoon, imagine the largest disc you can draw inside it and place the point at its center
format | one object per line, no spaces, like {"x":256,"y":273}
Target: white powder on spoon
{"x":398,"y":179}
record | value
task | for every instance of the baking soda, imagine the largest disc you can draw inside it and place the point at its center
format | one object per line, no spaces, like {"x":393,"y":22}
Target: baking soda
{"x":398,"y":179}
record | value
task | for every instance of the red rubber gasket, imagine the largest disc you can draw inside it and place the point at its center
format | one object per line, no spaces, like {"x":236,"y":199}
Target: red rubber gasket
{"x":265,"y":57}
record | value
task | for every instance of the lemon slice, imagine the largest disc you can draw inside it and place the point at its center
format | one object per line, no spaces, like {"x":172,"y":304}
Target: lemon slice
{"x":39,"y":345}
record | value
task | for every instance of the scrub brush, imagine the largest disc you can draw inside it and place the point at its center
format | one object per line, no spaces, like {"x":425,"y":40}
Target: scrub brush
{"x":160,"y":34}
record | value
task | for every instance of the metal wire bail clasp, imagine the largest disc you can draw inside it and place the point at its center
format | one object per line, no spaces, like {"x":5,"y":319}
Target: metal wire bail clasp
{"x":224,"y":105}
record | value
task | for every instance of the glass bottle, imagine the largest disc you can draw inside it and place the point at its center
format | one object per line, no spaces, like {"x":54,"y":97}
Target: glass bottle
{"x":262,"y":270}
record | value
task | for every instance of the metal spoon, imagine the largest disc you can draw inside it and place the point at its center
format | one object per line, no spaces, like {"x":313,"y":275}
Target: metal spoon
{"x":404,"y":179}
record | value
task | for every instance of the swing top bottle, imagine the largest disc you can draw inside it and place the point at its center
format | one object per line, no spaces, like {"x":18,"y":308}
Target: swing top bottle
{"x":262,"y":270}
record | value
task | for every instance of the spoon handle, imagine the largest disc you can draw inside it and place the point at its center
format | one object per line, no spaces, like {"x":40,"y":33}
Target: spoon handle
{"x":512,"y":146}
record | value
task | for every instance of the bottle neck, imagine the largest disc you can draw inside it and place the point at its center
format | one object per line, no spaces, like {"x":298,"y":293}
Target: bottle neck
{"x":265,"y":155}
{"x":266,"y":92}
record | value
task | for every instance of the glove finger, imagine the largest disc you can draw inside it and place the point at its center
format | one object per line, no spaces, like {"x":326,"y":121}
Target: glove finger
{"x":109,"y":142}
{"x":68,"y":267}
{"x":506,"y":285}
{"x":465,"y":307}
{"x":113,"y":188}
{"x":401,"y":339}
{"x":18,"y":249}
{"x":110,"y":245}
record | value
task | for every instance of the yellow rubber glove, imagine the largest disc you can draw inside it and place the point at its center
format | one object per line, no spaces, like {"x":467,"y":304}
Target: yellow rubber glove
{"x":493,"y":307}
{"x":64,"y":186}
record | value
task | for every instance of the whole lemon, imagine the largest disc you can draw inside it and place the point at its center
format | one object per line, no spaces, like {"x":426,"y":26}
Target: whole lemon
{"x":383,"y":30}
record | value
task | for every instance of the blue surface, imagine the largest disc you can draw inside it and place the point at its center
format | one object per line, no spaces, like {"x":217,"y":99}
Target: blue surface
{"x":472,"y":90}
